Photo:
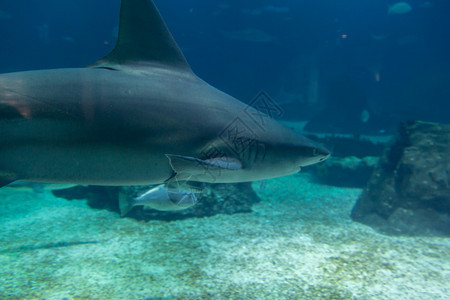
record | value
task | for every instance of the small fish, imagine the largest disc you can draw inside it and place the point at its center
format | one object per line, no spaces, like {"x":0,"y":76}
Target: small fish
{"x":399,"y":8}
{"x":252,"y":12}
{"x":379,"y":37}
{"x":365,"y":116}
{"x":277,"y":9}
{"x":159,"y":198}
{"x":44,"y":33}
{"x":68,"y":39}
{"x":224,"y":6}
{"x":426,"y":4}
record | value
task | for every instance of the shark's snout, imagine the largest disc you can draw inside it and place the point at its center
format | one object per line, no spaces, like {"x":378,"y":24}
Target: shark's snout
{"x":321,"y":153}
{"x":315,"y":153}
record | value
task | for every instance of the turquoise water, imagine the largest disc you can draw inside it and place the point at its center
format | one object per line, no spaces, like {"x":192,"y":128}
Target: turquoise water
{"x":299,"y":243}
{"x":348,"y":69}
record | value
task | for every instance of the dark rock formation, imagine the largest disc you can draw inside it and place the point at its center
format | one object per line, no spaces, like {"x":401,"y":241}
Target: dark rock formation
{"x":352,"y":161}
{"x":348,"y":171}
{"x":352,"y":145}
{"x":215,"y":199}
{"x":409,"y":190}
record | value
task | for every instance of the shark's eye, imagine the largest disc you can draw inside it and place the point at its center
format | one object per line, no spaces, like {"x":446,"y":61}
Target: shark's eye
{"x":315,"y":152}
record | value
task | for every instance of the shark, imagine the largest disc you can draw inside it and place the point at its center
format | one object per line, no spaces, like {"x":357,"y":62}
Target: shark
{"x":138,"y":116}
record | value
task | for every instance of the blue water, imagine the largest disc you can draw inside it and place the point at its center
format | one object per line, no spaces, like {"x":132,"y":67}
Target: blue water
{"x":326,"y":61}
{"x":342,"y":66}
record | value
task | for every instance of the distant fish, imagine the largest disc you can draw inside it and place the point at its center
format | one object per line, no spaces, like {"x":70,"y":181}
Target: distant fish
{"x":408,"y":40}
{"x":4,"y":15}
{"x":159,"y":198}
{"x":69,"y":39}
{"x":399,"y":8}
{"x":252,"y":12}
{"x":268,"y":8}
{"x":224,"y":6}
{"x":426,"y":4}
{"x":38,"y":187}
{"x":249,"y":35}
{"x":379,"y":37}
{"x":277,"y":9}
{"x":365,"y":116}
{"x":44,"y":33}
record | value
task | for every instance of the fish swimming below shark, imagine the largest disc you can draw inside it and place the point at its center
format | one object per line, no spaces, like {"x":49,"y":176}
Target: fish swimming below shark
{"x":138,"y":116}
{"x":160,"y":198}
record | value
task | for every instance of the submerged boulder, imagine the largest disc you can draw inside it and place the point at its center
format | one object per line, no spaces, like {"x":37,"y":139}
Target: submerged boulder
{"x":350,"y":171}
{"x":215,"y":199}
{"x":409,"y":190}
{"x":352,"y":162}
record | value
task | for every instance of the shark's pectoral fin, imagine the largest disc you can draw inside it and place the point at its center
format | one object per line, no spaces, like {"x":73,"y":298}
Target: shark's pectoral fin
{"x":188,"y":186}
{"x":195,"y":169}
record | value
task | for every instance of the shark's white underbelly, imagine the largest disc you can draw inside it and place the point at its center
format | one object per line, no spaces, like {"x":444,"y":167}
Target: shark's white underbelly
{"x":85,"y":164}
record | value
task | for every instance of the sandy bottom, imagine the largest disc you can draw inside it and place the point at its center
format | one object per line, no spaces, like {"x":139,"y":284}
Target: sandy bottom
{"x":299,"y":243}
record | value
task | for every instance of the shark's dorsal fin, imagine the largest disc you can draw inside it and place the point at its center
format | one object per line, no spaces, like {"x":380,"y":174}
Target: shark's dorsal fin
{"x":143,"y":41}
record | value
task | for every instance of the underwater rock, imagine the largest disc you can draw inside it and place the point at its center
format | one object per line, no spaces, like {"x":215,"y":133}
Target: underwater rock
{"x":215,"y":199}
{"x":352,"y":145}
{"x":409,"y":190}
{"x":348,"y":171}
{"x":352,"y":162}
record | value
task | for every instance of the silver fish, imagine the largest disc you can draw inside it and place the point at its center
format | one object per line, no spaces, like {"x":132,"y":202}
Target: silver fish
{"x":159,"y":198}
